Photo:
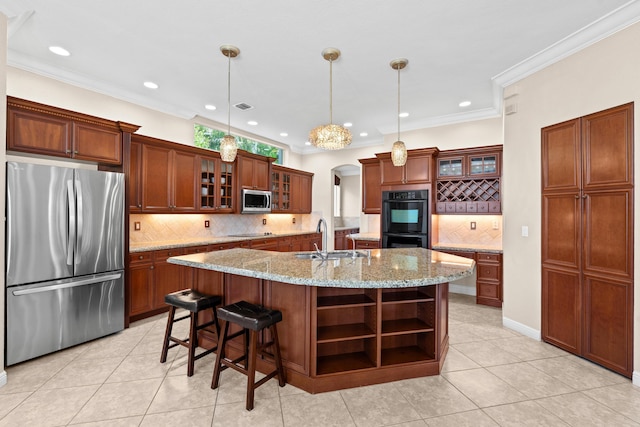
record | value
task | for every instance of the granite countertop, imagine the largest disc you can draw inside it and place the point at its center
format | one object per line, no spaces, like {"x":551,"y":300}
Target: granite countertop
{"x":213,"y":240}
{"x":385,"y":268}
{"x":365,"y":236}
{"x":466,"y":247}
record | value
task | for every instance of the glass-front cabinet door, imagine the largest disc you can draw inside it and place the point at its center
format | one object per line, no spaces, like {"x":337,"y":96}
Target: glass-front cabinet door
{"x":281,"y":191}
{"x":450,"y":167}
{"x":216,"y":185}
{"x":483,"y":165}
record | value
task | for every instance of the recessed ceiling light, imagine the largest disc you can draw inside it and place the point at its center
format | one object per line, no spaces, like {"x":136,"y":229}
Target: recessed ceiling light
{"x":210,"y":107}
{"x":252,"y":123}
{"x":364,"y":134}
{"x":465,"y":103}
{"x":347,"y":125}
{"x":150,"y":85}
{"x":59,"y":50}
{"x":307,"y":143}
{"x":284,"y":134}
{"x":403,"y":115}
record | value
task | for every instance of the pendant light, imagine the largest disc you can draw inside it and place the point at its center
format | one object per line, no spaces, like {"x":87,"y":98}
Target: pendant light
{"x":330,"y":137}
{"x":228,"y":145}
{"x":398,"y":149}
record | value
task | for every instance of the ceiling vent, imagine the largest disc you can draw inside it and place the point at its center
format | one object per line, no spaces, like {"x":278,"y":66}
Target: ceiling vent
{"x":243,"y":106}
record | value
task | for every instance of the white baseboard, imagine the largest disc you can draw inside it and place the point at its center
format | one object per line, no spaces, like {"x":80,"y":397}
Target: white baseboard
{"x":461,"y":289}
{"x":635,"y":379}
{"x":523,"y":329}
{"x":3,"y":378}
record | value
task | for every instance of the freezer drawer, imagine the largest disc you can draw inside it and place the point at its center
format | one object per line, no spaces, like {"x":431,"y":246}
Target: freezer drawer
{"x":49,"y":316}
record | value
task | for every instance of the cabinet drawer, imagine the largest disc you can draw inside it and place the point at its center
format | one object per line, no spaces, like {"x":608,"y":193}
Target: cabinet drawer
{"x":488,"y":271}
{"x":461,"y":207}
{"x":140,"y":258}
{"x":222,"y":246}
{"x":488,"y":290}
{"x":168,"y":253}
{"x":472,"y":207}
{"x":465,"y":254}
{"x":484,"y":256}
{"x":441,"y":207}
{"x":367,"y":244}
{"x":195,"y":249}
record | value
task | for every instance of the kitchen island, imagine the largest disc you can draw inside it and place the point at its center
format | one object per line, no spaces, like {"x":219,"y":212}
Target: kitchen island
{"x":349,"y":321}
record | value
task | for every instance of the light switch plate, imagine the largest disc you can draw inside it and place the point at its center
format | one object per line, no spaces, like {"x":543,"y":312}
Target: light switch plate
{"x":525,"y":231}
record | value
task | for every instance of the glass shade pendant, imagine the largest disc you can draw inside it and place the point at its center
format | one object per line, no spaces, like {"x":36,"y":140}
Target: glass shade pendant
{"x":399,"y":150}
{"x":330,"y":137}
{"x":228,"y":145}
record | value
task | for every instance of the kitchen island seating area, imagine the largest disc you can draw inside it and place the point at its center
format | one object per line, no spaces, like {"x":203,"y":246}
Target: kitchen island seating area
{"x":193,"y":302}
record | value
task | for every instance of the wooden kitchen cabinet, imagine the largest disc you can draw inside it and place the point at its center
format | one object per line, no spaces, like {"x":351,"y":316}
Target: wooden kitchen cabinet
{"x":291,"y":190}
{"x":141,"y":283}
{"x":217,"y":180}
{"x":340,"y":240}
{"x":489,"y":279}
{"x":371,"y":182}
{"x":43,"y":129}
{"x":168,"y":179}
{"x":367,"y":244}
{"x":587,"y":237}
{"x":168,"y":277}
{"x":417,"y":170}
{"x":254,"y":170}
{"x":469,"y":181}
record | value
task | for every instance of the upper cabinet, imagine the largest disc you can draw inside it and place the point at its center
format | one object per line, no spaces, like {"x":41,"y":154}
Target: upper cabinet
{"x":216,"y":185}
{"x":469,"y":181}
{"x":254,"y":170}
{"x":417,"y":170}
{"x":42,"y":129}
{"x":291,"y":190}
{"x":371,"y":181}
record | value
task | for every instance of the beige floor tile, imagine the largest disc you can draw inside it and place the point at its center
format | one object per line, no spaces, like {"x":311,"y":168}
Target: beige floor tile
{"x":182,"y":392}
{"x":121,"y":422}
{"x":580,"y":376}
{"x":579,"y":410}
{"x":378,"y":405}
{"x":49,"y":407}
{"x":530,"y":381}
{"x":117,"y":345}
{"x":459,"y":333}
{"x":484,"y":388}
{"x":267,"y":414}
{"x":198,"y":417}
{"x":475,"y":418}
{"x":139,"y":367}
{"x":484,"y":353}
{"x":528,"y":349}
{"x":204,"y":365}
{"x":310,"y":410}
{"x":434,"y":396}
{"x":84,"y":372}
{"x":119,"y":400}
{"x":527,"y":413}
{"x":9,"y":401}
{"x":456,"y":361}
{"x":232,"y":388}
{"x":623,"y":398}
{"x":491,"y":332}
{"x":417,"y":423}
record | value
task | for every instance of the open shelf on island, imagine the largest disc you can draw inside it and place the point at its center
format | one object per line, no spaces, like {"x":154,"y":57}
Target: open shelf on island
{"x":404,"y":326}
{"x":344,"y":332}
{"x":409,"y":295}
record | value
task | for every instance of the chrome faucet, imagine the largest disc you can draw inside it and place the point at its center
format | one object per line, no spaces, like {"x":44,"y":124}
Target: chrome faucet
{"x":354,"y":253}
{"x":322,"y":227}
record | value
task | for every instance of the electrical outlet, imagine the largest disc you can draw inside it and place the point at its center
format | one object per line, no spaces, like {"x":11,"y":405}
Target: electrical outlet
{"x":472,"y":225}
{"x":264,"y":221}
{"x":136,"y":225}
{"x":293,"y":220}
{"x":495,"y":224}
{"x":206,"y":223}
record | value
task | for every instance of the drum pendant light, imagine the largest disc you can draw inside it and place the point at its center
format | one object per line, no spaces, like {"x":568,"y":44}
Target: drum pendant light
{"x":399,"y":150}
{"x":228,"y":145}
{"x":330,"y":137}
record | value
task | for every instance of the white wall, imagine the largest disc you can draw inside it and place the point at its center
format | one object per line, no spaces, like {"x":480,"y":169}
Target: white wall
{"x":599,"y":77}
{"x":350,"y":195}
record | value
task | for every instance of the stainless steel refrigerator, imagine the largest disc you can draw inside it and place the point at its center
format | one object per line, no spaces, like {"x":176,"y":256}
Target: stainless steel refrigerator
{"x":64,"y":258}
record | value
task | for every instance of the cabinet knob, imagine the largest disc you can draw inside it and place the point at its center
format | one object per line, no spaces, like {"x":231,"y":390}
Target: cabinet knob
{"x":140,"y":257}
{"x":151,"y":268}
{"x":140,"y":205}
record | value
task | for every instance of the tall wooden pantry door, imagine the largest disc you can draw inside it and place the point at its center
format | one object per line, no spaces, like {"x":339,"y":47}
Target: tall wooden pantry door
{"x":587,"y":237}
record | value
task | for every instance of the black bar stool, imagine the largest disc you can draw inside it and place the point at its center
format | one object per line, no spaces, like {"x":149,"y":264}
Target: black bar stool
{"x":194,"y":302}
{"x":253,"y":319}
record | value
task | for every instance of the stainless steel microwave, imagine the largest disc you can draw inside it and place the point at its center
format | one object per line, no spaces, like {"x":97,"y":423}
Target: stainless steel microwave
{"x":256,"y":201}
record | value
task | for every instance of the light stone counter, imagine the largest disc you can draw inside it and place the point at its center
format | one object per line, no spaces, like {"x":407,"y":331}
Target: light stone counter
{"x":466,"y":247}
{"x":365,"y":236}
{"x":385,"y":268}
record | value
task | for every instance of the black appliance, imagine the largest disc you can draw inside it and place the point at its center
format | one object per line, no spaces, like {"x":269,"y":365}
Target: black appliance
{"x":405,"y":219}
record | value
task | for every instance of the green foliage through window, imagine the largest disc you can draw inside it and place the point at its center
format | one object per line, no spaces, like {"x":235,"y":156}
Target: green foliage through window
{"x":208,"y":138}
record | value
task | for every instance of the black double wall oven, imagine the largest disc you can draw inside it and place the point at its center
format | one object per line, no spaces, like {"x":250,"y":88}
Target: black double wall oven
{"x":405,"y":219}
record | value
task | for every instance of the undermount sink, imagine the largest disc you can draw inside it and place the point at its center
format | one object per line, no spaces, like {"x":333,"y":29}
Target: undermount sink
{"x":331,"y":255}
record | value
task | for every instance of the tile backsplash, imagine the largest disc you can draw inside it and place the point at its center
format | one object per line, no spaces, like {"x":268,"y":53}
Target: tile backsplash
{"x":158,"y":227}
{"x":457,"y":229}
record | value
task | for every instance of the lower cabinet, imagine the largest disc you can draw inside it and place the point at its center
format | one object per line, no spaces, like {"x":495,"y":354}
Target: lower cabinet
{"x":488,"y":275}
{"x":367,"y":244}
{"x":340,"y":240}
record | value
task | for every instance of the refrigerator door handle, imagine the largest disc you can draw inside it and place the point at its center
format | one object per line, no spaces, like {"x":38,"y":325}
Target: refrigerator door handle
{"x":72,"y":220}
{"x":80,"y":222}
{"x":73,"y":284}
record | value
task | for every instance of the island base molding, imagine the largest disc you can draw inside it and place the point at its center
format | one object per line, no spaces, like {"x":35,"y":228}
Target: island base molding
{"x":338,"y":338}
